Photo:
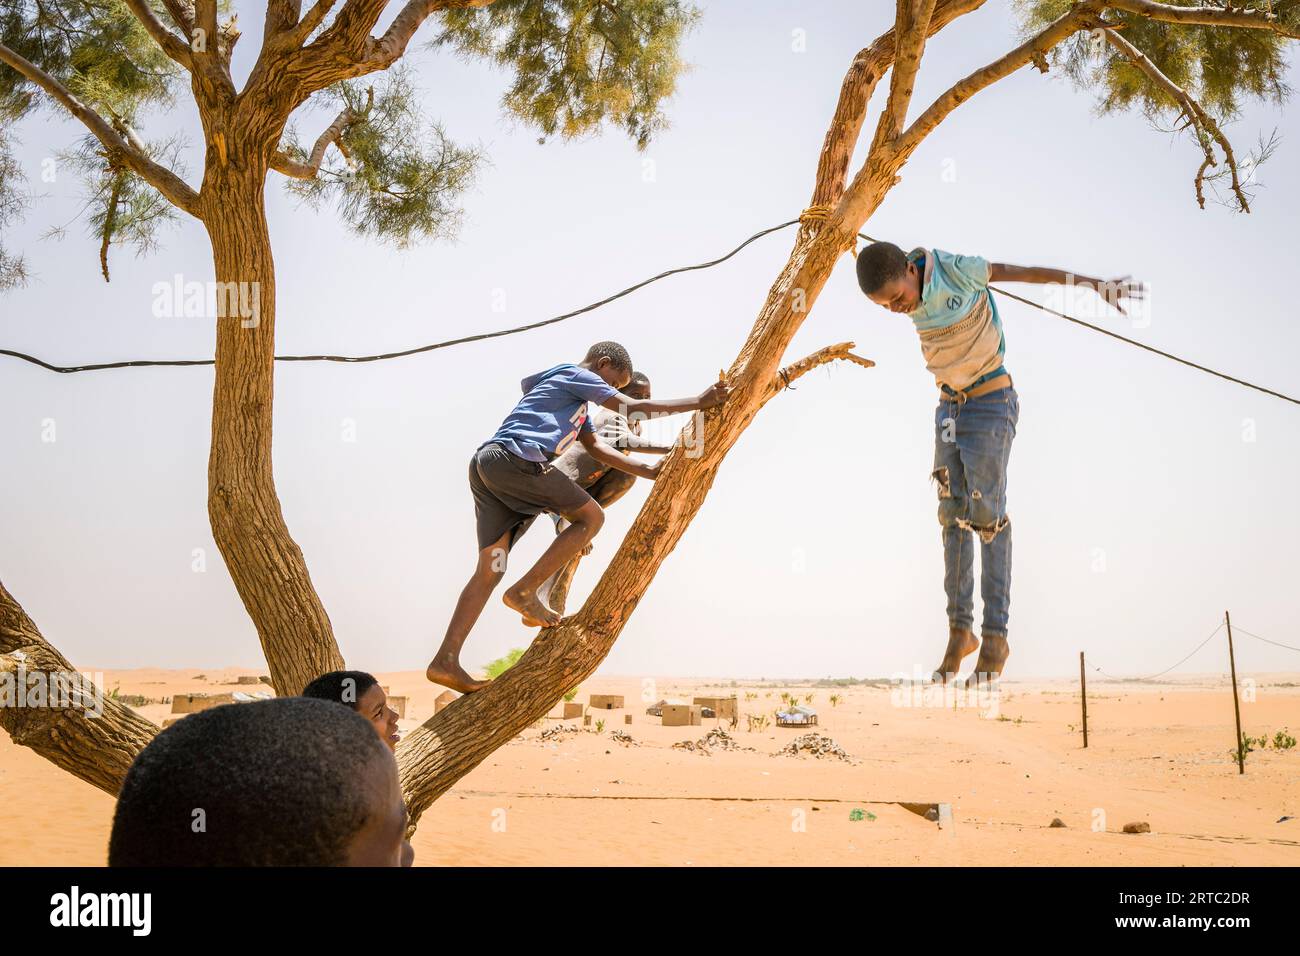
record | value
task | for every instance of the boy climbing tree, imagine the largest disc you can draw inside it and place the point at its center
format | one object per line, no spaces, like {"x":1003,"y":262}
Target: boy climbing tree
{"x":947,"y":298}
{"x":513,"y":479}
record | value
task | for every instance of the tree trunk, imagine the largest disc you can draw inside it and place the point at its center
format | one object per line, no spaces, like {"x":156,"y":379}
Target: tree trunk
{"x":98,"y":749}
{"x":266,"y":564}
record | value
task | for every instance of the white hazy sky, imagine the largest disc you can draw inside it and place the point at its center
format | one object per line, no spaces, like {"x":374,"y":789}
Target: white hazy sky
{"x":1146,"y":497}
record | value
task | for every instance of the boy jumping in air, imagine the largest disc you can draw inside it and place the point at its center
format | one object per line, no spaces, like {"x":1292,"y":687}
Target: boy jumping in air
{"x":947,"y":298}
{"x":513,"y":480}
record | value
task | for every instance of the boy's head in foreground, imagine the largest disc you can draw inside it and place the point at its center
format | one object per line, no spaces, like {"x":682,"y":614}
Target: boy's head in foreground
{"x":611,"y":362}
{"x":285,"y":782}
{"x":889,"y":278}
{"x":361,"y":692}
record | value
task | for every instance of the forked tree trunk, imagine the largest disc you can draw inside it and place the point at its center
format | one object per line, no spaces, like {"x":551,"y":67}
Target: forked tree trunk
{"x":264,"y":561}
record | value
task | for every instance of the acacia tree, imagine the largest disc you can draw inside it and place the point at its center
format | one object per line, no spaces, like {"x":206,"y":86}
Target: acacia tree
{"x":1192,"y":62}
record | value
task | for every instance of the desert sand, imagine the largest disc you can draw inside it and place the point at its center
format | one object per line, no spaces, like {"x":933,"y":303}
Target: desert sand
{"x":1158,"y":753}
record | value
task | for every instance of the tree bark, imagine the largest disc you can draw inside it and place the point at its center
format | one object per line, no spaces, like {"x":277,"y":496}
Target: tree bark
{"x":264,"y":561}
{"x":97,"y":749}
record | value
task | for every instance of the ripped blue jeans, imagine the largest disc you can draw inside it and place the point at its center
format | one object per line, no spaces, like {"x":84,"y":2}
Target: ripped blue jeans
{"x":972,"y":444}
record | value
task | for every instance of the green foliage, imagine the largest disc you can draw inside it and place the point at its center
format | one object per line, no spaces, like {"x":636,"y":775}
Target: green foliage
{"x":105,"y":58}
{"x":579,"y":63}
{"x":96,"y":48}
{"x":401,"y":177}
{"x":502,"y":664}
{"x":13,"y":203}
{"x":119,"y":205}
{"x":1219,"y":67}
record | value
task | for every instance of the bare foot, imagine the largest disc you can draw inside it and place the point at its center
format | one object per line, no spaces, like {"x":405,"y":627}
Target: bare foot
{"x":530,"y":608}
{"x":453,"y":675}
{"x":994,"y":652}
{"x":961,"y":642}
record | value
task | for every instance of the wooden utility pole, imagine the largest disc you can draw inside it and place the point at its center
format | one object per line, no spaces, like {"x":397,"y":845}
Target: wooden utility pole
{"x":1083,"y":697}
{"x":1236,"y":704}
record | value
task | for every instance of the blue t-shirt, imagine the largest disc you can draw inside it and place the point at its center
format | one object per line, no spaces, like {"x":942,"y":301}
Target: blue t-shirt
{"x":554,"y":408}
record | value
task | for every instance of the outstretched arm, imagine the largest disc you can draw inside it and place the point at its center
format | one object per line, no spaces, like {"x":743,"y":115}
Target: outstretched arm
{"x":715,"y":394}
{"x":607,"y":455}
{"x":1114,"y":291}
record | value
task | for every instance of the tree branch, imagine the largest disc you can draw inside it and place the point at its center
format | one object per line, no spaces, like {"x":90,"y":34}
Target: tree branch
{"x":912,"y":23}
{"x":851,"y":107}
{"x":205,"y":16}
{"x":1033,"y":49}
{"x":74,"y":736}
{"x":164,"y":180}
{"x":182,"y":15}
{"x":1207,"y":130}
{"x":787,"y":375}
{"x":315,"y":16}
{"x":281,"y":16}
{"x":174,"y":46}
{"x":388,"y":49}
{"x":1210,"y":16}
{"x":282,"y":163}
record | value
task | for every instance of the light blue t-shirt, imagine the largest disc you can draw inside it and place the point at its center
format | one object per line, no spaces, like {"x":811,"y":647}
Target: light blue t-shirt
{"x":554,"y":408}
{"x":952,"y":288}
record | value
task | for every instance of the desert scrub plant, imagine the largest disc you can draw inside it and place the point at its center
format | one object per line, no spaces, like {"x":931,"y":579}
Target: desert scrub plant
{"x":496,"y":668}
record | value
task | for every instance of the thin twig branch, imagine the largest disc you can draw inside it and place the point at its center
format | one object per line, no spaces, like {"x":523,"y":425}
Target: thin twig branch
{"x":1206,"y":129}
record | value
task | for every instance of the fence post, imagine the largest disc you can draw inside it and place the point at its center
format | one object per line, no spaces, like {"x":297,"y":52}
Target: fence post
{"x":1083,"y":697}
{"x":1236,"y":705}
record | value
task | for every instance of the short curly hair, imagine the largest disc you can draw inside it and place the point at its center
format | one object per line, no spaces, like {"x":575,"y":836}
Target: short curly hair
{"x":616,"y":354}
{"x":878,"y":264}
{"x":283,"y":782}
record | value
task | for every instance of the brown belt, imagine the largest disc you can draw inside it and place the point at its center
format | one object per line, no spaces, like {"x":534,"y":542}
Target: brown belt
{"x":961,"y":396}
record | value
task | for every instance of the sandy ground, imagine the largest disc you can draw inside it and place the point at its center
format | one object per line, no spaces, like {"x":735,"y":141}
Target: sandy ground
{"x":1158,"y":753}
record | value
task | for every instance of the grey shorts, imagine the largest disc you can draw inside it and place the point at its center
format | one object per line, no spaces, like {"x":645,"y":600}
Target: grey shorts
{"x":509,"y":492}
